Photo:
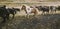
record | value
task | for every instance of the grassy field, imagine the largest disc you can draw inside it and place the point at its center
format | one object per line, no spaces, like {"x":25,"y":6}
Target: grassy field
{"x":48,"y":21}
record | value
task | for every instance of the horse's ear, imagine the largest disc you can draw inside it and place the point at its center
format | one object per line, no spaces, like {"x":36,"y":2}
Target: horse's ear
{"x":4,"y":5}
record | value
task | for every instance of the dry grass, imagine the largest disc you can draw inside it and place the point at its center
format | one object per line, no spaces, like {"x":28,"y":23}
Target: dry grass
{"x":48,"y":21}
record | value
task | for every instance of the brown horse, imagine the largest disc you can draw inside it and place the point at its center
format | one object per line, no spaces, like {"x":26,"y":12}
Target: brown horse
{"x":29,"y":10}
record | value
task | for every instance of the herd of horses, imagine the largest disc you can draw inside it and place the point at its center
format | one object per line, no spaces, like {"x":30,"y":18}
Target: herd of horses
{"x":5,"y":12}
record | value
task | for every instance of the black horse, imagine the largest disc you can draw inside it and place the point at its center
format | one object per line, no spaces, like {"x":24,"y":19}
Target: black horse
{"x":58,"y":8}
{"x":43,"y":8}
{"x":53,"y":8}
{"x":13,"y":11}
{"x":4,"y":13}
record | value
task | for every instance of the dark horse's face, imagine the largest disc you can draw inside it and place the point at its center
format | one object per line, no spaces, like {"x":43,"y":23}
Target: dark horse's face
{"x":23,"y":7}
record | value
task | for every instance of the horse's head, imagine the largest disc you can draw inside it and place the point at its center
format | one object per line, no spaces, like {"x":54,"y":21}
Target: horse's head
{"x":23,"y":7}
{"x":3,"y":6}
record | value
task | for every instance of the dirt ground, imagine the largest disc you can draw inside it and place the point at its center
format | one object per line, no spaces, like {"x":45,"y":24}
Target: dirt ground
{"x":47,"y":21}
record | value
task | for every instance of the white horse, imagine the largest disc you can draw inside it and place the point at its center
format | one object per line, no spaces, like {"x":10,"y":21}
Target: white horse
{"x":29,"y":10}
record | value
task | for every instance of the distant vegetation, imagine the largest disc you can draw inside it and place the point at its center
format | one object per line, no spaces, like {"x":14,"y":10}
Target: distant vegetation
{"x":30,"y":0}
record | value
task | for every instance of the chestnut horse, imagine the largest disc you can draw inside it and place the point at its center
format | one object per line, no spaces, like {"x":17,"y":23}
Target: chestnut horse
{"x":29,"y":10}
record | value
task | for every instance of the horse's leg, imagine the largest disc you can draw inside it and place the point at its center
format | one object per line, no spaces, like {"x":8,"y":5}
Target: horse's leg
{"x":43,"y":13}
{"x":47,"y":12}
{"x":27,"y":15}
{"x":34,"y":15}
{"x":51,"y":11}
{"x":55,"y":11}
{"x":4,"y":19}
{"x":7,"y":16}
{"x":13,"y":16}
